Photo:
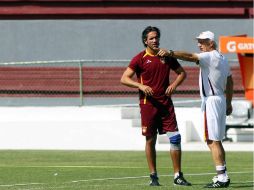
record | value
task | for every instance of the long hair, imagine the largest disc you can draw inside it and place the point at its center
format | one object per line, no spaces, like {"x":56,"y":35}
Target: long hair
{"x":147,"y":30}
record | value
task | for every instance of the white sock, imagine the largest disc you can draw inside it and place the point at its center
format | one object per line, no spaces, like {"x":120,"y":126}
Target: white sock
{"x":220,"y":168}
{"x":176,"y":174}
{"x":223,"y":177}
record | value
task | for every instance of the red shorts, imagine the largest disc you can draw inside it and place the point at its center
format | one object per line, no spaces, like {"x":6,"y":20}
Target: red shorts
{"x":156,"y":119}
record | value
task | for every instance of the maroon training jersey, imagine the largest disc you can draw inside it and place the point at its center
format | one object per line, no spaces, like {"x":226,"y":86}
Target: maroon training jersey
{"x":153,"y":71}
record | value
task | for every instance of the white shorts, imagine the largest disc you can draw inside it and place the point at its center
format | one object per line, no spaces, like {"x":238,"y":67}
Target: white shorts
{"x":214,"y":117}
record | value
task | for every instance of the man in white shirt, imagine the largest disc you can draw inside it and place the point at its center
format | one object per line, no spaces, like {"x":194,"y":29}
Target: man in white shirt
{"x":214,"y":80}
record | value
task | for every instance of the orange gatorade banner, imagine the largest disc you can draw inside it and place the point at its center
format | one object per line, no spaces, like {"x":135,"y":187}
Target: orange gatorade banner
{"x":236,"y":44}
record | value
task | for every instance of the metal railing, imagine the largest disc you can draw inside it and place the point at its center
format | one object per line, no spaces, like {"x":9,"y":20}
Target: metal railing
{"x":81,"y":78}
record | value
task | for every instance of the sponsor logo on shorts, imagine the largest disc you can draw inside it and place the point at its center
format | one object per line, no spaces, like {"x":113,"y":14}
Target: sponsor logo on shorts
{"x":144,"y":129}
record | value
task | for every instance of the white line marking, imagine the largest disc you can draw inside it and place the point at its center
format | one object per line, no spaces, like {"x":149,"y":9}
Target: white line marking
{"x":21,"y":184}
{"x":83,"y":166}
{"x":120,"y":178}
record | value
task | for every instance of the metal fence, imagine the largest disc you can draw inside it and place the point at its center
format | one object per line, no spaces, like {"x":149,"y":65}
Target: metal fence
{"x":76,"y":80}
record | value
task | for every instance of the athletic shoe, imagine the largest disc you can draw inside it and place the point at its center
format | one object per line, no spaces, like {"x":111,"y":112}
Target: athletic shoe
{"x":218,"y":184}
{"x":154,"y":180}
{"x":181,"y":181}
{"x":215,"y":179}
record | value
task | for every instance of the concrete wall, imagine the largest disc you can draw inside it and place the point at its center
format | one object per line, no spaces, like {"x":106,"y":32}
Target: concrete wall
{"x":92,"y":128}
{"x":30,"y":40}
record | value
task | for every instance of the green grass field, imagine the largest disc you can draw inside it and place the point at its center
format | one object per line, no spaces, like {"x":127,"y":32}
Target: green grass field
{"x":112,"y":170}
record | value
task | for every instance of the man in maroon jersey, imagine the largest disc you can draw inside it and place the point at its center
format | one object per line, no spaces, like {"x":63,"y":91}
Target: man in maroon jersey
{"x":157,"y":109}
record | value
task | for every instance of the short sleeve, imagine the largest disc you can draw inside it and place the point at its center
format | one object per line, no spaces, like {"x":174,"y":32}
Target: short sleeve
{"x":135,"y":63}
{"x":204,"y":58}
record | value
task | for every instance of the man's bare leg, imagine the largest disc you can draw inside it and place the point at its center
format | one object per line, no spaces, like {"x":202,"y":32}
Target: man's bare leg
{"x":151,"y":159}
{"x":218,"y":155}
{"x":176,"y":160}
{"x":151,"y":153}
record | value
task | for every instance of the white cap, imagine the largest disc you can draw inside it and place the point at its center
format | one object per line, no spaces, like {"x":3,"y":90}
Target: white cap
{"x":206,"y":35}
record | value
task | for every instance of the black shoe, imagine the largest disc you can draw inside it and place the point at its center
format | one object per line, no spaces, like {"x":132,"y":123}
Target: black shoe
{"x":181,"y":181}
{"x":218,"y":184}
{"x":154,"y":180}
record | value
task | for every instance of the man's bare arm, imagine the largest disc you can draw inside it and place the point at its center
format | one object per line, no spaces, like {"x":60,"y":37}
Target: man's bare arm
{"x":181,"y":75}
{"x":186,"y":56}
{"x":229,"y":94}
{"x":127,"y":80}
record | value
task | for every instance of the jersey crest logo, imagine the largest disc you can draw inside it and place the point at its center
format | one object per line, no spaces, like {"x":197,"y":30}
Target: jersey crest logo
{"x":148,"y":61}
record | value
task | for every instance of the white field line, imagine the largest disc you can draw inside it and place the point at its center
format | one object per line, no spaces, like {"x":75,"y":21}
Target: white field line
{"x":21,"y":184}
{"x":118,"y":178}
{"x":138,"y":177}
{"x":91,"y":166}
{"x":77,"y":166}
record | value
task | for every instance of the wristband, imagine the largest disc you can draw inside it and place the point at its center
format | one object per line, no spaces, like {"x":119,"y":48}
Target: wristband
{"x":171,"y":53}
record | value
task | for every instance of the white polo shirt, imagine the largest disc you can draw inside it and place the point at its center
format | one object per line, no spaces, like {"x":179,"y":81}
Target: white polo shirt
{"x":214,"y":70}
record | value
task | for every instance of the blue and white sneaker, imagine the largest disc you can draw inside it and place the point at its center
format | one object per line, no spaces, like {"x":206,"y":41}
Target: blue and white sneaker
{"x":154,"y":180}
{"x":179,"y":180}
